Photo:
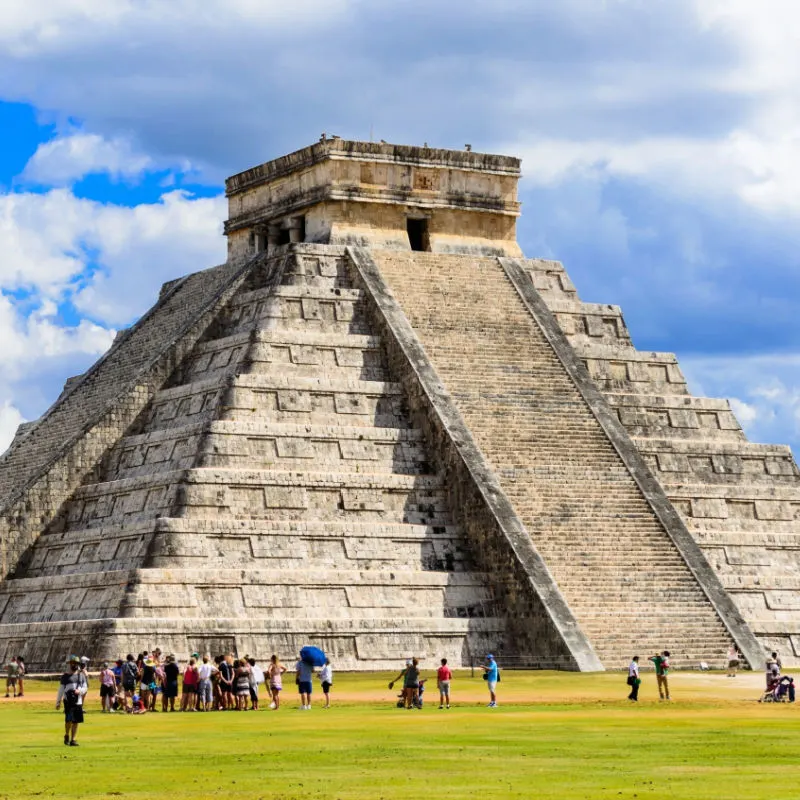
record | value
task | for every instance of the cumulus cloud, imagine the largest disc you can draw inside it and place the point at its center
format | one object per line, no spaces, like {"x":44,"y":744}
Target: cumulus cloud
{"x":10,"y":419}
{"x":66,"y":159}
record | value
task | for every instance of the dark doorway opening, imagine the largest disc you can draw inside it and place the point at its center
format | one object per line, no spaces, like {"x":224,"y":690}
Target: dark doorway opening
{"x":418,"y":234}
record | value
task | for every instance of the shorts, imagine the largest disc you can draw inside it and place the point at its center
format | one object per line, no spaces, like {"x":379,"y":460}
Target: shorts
{"x":171,"y":689}
{"x":411,"y":686}
{"x":326,"y":686}
{"x":73,"y":713}
{"x":11,"y":681}
{"x":444,"y":687}
{"x":205,"y":691}
{"x":304,"y":687}
{"x":492,"y":686}
{"x":276,"y":687}
{"x":128,"y":687}
{"x":734,"y":662}
{"x":189,"y":688}
{"x":107,"y":691}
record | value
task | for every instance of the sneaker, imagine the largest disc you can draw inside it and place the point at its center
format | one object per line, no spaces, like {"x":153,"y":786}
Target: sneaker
{"x":448,"y":705}
{"x":273,"y":706}
{"x":441,"y":707}
{"x":492,"y":705}
{"x":73,"y":743}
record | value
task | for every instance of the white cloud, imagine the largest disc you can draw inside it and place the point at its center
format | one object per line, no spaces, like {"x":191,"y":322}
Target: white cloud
{"x":10,"y":419}
{"x":71,"y":157}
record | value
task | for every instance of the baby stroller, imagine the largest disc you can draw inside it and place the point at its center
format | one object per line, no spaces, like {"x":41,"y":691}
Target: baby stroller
{"x":780,"y":690}
{"x":401,"y":703}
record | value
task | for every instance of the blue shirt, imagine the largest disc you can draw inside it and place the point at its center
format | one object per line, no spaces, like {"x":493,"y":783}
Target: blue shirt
{"x":306,"y":671}
{"x":493,"y":671}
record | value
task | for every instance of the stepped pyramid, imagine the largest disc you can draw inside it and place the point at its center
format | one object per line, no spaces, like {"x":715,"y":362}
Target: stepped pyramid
{"x":380,"y":429}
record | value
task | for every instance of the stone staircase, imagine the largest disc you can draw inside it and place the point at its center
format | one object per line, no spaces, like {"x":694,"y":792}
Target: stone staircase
{"x":740,"y":500}
{"x":272,"y":493}
{"x":623,"y":578}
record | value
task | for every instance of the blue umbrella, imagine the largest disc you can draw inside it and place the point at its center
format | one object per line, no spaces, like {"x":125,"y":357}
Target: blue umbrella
{"x":313,"y":656}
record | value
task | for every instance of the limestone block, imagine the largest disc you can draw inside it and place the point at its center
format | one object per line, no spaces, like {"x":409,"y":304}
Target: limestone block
{"x":290,"y":400}
{"x":362,"y":499}
{"x":683,"y":418}
{"x":773,"y":509}
{"x":673,"y":462}
{"x":758,"y":556}
{"x":294,"y":448}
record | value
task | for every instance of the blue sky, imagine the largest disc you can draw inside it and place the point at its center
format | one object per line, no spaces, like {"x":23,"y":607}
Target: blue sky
{"x":660,"y":145}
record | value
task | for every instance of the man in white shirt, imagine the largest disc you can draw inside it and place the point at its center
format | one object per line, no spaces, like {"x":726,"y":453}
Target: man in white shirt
{"x":205,"y":692}
{"x":633,"y":679}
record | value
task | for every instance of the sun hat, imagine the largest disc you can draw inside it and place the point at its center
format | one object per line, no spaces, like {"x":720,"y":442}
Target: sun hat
{"x":73,"y":660}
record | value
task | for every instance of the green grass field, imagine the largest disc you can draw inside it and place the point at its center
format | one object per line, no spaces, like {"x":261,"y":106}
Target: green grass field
{"x":554,"y":736}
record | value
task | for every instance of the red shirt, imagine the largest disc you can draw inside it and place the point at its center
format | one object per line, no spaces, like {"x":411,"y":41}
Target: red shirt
{"x":443,"y":673}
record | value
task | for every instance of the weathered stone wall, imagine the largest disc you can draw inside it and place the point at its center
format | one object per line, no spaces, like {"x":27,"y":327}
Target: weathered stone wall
{"x":40,"y":469}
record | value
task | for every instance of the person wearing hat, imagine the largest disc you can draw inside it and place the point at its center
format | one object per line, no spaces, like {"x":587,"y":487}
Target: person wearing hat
{"x":491,"y":674}
{"x":72,"y":688}
{"x":147,"y":687}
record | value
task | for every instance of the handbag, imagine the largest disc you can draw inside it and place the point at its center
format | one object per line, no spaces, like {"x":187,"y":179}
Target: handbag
{"x":631,"y":680}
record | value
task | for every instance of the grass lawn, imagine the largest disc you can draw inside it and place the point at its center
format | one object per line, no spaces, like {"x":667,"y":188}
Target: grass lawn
{"x":555,"y":735}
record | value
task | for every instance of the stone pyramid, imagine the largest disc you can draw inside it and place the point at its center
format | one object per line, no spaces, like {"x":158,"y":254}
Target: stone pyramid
{"x":377,"y":428}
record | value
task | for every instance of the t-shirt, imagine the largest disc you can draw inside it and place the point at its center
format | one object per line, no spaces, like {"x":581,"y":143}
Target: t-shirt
{"x":226,"y":671}
{"x":129,"y":672}
{"x":74,"y":682}
{"x":633,"y":669}
{"x":443,"y":673}
{"x":148,"y":675}
{"x":117,"y":670}
{"x":204,"y":671}
{"x":306,"y":671}
{"x":326,"y":674}
{"x":661,"y":664}
{"x":171,"y":671}
{"x":492,"y":672}
{"x":12,"y":669}
{"x":258,"y":674}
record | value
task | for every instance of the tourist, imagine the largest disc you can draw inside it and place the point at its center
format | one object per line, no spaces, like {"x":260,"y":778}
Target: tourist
{"x":634,"y":681}
{"x":171,"y":674}
{"x":491,"y":674}
{"x":773,"y":669}
{"x":108,"y":689}
{"x":662,"y":665}
{"x":326,"y":679}
{"x":215,"y":683}
{"x":72,"y":689}
{"x":443,"y":678}
{"x":407,"y":692}
{"x":275,"y":676}
{"x":117,"y":670}
{"x":256,"y":678}
{"x":147,"y":687}
{"x":130,"y":677}
{"x":226,"y":682}
{"x":12,"y":675}
{"x":303,"y":675}
{"x":20,"y":677}
{"x":205,"y":690}
{"x":241,"y":683}
{"x":189,"y":694}
{"x":733,"y":660}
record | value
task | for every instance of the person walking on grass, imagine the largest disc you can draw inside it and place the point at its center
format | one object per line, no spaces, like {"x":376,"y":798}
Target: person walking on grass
{"x":108,"y":688}
{"x":634,"y":681}
{"x":304,"y":674}
{"x":275,"y":677}
{"x":662,"y":665}
{"x":71,"y":690}
{"x":491,"y":674}
{"x":326,"y":679}
{"x":443,"y":678}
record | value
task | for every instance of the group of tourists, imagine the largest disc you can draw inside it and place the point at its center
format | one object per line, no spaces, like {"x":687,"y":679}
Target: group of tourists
{"x":662,"y":667}
{"x":138,"y":685}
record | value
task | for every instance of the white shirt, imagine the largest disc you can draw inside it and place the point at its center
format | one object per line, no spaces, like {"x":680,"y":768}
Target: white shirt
{"x":326,"y":674}
{"x":204,"y":671}
{"x":633,"y":669}
{"x":258,"y":674}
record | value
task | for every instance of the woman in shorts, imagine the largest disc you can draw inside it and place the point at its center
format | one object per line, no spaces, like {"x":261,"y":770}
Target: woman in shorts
{"x":275,"y":676}
{"x":190,"y":680}
{"x":108,"y":688}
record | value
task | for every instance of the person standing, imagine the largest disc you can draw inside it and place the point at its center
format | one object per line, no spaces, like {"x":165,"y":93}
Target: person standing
{"x":147,"y":688}
{"x":130,"y":677}
{"x":326,"y":679}
{"x":205,"y":691}
{"x":634,"y":681}
{"x":108,"y":689}
{"x":491,"y":673}
{"x":241,"y":684}
{"x":304,"y":674}
{"x":171,"y":674}
{"x":275,"y":676}
{"x":256,"y":679}
{"x":443,"y":678}
{"x":12,"y":675}
{"x":733,"y":660}
{"x":189,"y":694}
{"x":226,"y":681}
{"x":662,"y":665}
{"x":20,"y":677}
{"x":72,"y":689}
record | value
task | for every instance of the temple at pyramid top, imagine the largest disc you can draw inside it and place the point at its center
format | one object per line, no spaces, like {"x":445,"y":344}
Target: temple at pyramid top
{"x":376,"y":195}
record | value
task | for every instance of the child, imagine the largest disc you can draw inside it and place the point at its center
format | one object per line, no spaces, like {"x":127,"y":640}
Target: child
{"x":443,"y":678}
{"x":326,"y":679}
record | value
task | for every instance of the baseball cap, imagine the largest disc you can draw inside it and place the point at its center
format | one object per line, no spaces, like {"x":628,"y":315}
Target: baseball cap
{"x":490,"y":657}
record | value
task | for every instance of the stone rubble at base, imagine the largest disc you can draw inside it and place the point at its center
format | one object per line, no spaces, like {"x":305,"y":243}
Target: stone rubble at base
{"x":335,"y":439}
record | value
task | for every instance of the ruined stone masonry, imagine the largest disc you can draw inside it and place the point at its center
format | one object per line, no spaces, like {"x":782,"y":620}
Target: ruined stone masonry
{"x":379,"y":429}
